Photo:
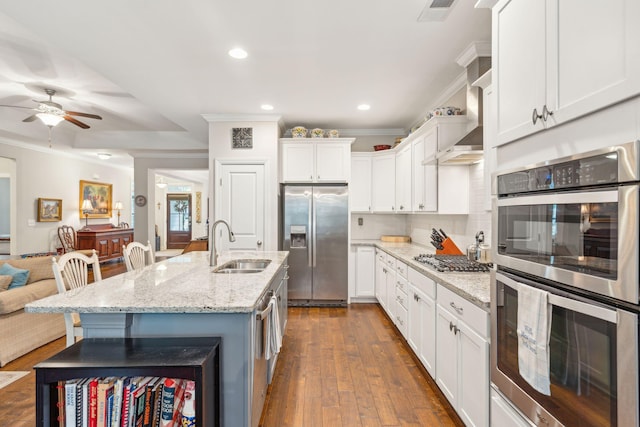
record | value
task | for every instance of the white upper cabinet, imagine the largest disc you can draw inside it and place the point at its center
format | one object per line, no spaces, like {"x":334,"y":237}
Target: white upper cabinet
{"x":310,"y":160}
{"x":360,"y":184}
{"x":557,"y":60}
{"x":403,"y":179}
{"x":383,"y":181}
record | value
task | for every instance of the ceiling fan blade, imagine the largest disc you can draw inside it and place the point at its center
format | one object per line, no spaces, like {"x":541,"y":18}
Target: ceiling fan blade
{"x":30,"y":118}
{"x":90,"y":116}
{"x":76,"y":122}
{"x":15,"y":106}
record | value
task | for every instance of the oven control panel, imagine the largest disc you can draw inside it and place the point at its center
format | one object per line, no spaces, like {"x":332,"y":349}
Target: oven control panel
{"x":575,"y":173}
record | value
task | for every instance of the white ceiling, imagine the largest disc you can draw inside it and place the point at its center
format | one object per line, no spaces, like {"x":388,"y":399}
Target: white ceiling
{"x":151,"y":68}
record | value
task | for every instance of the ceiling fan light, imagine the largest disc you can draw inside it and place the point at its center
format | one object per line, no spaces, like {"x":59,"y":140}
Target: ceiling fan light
{"x":104,"y":156}
{"x":49,"y":119}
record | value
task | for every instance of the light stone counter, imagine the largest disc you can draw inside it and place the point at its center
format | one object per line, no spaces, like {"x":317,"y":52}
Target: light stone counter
{"x":474,"y":287}
{"x":182,"y":284}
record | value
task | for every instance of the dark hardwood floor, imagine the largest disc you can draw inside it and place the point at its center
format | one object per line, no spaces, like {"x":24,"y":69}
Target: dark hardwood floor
{"x":338,"y":367}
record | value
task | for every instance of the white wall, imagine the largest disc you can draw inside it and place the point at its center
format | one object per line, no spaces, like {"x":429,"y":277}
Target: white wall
{"x":265,"y":147}
{"x":375,"y":225}
{"x":48,"y":173}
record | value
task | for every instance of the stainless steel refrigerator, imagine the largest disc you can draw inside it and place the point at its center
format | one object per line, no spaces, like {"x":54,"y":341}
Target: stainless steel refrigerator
{"x":314,"y":229}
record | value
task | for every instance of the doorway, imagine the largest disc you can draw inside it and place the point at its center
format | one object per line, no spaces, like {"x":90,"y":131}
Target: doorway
{"x":178,"y":220}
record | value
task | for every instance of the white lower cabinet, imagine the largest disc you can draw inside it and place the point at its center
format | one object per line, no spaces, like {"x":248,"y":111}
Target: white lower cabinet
{"x":381,"y":278}
{"x":401,"y":305}
{"x":504,"y":415}
{"x":462,"y":356}
{"x":364,"y":272}
{"x":422,"y":319}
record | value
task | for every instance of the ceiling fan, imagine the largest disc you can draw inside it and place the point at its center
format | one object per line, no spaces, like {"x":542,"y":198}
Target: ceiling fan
{"x":51,"y":113}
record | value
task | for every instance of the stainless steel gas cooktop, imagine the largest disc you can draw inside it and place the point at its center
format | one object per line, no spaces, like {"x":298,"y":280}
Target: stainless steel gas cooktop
{"x":452,"y":263}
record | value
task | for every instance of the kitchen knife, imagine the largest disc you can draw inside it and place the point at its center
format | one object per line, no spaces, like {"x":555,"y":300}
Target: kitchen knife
{"x":444,"y":234}
{"x":436,"y":238}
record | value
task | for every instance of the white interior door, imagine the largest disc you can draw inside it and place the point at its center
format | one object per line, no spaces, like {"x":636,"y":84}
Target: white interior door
{"x":240,"y":201}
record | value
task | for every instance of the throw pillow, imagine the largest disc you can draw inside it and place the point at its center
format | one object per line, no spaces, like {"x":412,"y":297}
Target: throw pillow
{"x":5,"y":281}
{"x":20,"y":276}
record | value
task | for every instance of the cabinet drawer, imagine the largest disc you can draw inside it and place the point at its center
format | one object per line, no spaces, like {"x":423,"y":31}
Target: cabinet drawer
{"x":402,"y":285}
{"x":475,"y":317}
{"x":391,"y":262}
{"x":402,"y":297}
{"x":401,"y":268}
{"x":401,"y":318}
{"x":422,"y":282}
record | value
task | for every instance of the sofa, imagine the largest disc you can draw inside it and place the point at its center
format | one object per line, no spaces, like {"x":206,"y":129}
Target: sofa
{"x":22,"y":332}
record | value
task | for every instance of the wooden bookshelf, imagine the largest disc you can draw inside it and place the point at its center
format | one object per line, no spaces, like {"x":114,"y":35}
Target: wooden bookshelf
{"x":196,"y":359}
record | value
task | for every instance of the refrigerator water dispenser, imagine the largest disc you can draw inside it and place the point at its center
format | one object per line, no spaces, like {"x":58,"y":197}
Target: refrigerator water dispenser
{"x":298,"y":236}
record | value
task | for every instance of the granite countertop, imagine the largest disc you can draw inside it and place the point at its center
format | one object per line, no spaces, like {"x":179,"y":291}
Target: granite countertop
{"x":182,"y":284}
{"x":474,"y":287}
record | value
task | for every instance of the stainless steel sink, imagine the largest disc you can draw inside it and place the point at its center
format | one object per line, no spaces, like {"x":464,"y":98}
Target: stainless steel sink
{"x":242,"y":266}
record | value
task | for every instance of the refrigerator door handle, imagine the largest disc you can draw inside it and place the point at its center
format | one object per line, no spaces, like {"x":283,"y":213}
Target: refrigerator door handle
{"x":312,"y":235}
{"x":313,"y":225}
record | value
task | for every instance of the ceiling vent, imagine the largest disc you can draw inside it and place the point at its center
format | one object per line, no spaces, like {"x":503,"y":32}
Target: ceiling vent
{"x":437,"y":11}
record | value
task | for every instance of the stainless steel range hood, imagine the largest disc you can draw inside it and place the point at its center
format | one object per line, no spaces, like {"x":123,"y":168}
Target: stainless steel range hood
{"x":469,"y":149}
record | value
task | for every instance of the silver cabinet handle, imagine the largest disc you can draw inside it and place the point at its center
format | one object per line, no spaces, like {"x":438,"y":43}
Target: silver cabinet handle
{"x":546,"y":113}
{"x":393,"y":208}
{"x":421,"y":206}
{"x":259,"y":242}
{"x":311,"y":177}
{"x":453,"y":328}
{"x":384,"y":270}
{"x":459,"y":310}
{"x":535,"y":116}
{"x":318,"y":176}
{"x":401,"y":207}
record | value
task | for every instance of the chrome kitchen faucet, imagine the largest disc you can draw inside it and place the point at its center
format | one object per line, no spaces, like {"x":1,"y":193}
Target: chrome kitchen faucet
{"x":213,"y":254}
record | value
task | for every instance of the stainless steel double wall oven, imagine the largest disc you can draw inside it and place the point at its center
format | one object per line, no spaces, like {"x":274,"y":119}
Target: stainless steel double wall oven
{"x":571,"y":227}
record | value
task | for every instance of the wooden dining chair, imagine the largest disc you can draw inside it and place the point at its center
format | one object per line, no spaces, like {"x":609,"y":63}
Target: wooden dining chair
{"x":137,"y":255}
{"x":69,"y":240}
{"x":71,"y":271}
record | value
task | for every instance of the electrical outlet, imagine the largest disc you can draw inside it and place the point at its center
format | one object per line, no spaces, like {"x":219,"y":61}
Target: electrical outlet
{"x":360,"y":221}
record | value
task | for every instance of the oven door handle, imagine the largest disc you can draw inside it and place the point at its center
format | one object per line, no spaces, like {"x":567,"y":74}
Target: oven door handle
{"x":566,"y":198}
{"x":592,"y":310}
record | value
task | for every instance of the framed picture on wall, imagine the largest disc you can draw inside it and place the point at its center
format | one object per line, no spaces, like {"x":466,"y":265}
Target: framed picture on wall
{"x":99,"y":196}
{"x":49,"y":210}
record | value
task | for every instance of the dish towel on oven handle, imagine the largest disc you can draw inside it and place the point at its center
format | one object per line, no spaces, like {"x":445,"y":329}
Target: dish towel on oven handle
{"x":534,"y":330}
{"x":274,"y":335}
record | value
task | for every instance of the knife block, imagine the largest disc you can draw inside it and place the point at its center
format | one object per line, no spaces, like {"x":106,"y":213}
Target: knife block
{"x":450,"y":248}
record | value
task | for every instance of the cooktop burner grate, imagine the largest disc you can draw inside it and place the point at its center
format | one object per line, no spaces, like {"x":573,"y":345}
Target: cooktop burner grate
{"x":452,"y":263}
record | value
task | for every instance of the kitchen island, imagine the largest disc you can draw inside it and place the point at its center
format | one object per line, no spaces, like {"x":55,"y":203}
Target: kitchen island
{"x":181,"y":297}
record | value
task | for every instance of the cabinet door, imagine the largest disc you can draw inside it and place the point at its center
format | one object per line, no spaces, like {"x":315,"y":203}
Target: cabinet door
{"x":390,"y":293}
{"x":489,"y":137}
{"x":473,"y":386}
{"x":422,"y":328}
{"x":519,"y":65}
{"x":431,"y":171}
{"x":332,"y":162}
{"x":453,"y":189}
{"x":447,"y":355}
{"x":594,"y":61}
{"x":418,"y":176}
{"x":403,"y":180}
{"x":297,"y":162}
{"x":381,"y":282}
{"x":360,"y":184}
{"x":365,"y":276}
{"x":383,"y":182}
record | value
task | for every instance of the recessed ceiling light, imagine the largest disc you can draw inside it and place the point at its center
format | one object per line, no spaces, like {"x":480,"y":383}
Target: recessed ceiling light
{"x":267,"y":107}
{"x":104,"y":156}
{"x":238,"y":53}
{"x":364,"y":107}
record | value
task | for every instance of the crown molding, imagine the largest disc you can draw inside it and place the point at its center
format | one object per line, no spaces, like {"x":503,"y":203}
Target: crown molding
{"x":474,"y":50}
{"x":372,"y":132}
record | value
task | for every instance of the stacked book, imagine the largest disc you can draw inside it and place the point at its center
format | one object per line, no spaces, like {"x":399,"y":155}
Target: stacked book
{"x":126,"y":402}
